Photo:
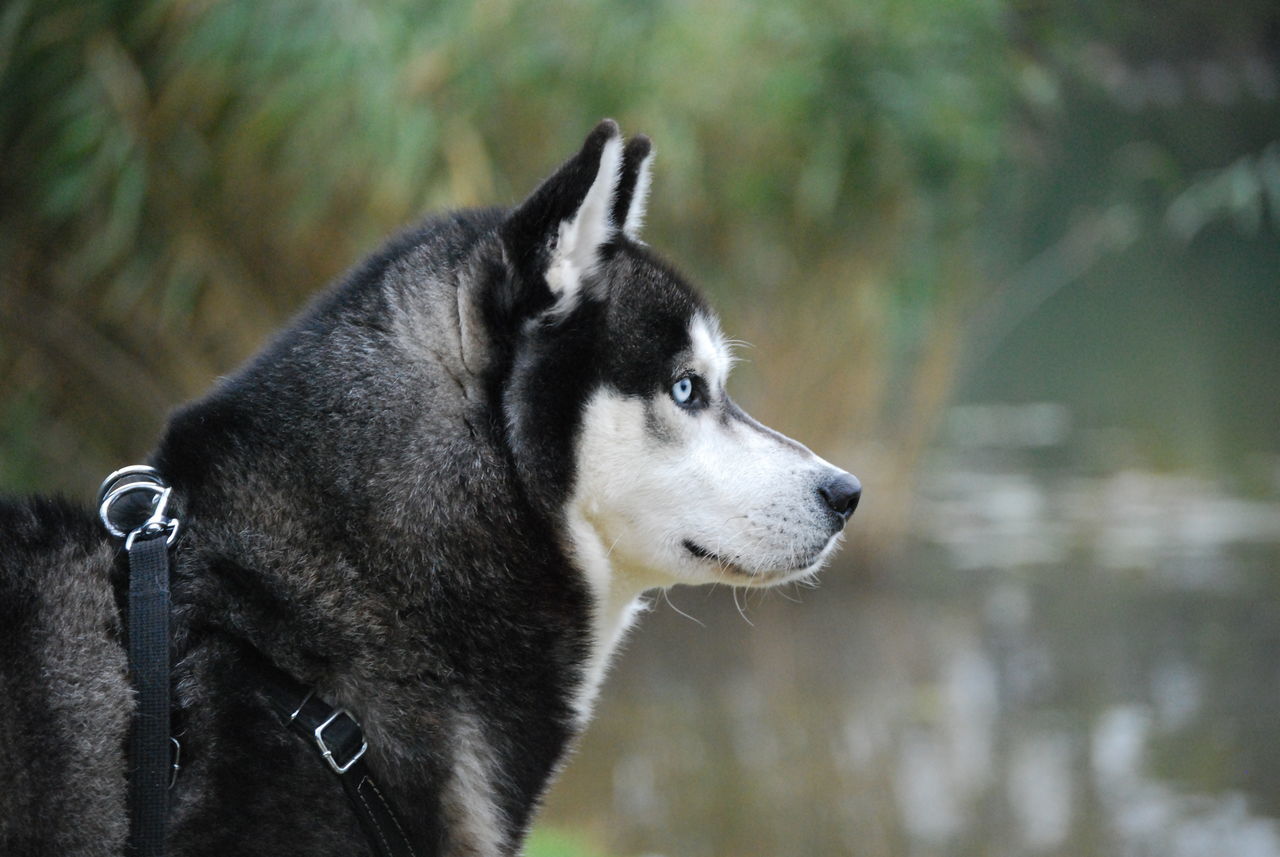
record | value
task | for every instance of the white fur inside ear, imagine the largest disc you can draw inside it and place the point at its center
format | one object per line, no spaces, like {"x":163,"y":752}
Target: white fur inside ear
{"x":639,"y":200}
{"x":578,"y":249}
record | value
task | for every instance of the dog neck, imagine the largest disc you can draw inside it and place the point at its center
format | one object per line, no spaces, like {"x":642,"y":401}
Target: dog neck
{"x":617,"y":600}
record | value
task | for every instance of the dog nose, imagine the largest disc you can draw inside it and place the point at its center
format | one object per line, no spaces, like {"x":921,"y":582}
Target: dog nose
{"x":841,"y":493}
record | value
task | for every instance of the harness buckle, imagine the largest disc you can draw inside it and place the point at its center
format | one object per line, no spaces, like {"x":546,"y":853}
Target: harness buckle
{"x":328,"y":753}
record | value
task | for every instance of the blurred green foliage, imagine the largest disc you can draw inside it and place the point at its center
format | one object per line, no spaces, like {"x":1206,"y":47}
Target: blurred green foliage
{"x":558,"y":843}
{"x":854,"y":183}
{"x":883,"y":196}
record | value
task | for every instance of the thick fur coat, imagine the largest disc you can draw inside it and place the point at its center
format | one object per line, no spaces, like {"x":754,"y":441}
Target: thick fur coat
{"x":391,"y":503}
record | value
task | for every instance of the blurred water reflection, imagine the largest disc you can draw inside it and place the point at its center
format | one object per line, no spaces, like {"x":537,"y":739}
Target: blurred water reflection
{"x":1067,"y":661}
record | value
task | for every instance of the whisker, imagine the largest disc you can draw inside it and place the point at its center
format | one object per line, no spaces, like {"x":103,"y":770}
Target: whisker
{"x":672,"y":605}
{"x":782,"y":592}
{"x":741,"y":611}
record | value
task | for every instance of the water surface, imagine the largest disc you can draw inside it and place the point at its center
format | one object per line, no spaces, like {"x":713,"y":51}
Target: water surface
{"x":1059,"y":663}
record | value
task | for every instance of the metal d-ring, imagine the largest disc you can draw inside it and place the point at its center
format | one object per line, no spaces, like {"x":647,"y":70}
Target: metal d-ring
{"x":148,"y":480}
{"x":144,"y":473}
{"x":177,"y":761}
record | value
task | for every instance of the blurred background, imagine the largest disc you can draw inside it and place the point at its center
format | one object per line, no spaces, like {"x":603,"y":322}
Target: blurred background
{"x":1015,"y":264}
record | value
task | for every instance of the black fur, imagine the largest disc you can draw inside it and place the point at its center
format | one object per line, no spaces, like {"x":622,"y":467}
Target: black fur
{"x":64,"y":701}
{"x":372,"y":505}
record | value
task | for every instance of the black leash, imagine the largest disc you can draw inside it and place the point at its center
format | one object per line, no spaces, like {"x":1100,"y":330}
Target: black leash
{"x":125,"y":496}
{"x":149,"y":662}
{"x":133,"y":504}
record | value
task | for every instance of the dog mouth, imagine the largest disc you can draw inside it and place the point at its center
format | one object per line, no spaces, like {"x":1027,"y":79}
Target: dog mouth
{"x":702,"y":553}
{"x":724,"y":564}
{"x":728,"y":565}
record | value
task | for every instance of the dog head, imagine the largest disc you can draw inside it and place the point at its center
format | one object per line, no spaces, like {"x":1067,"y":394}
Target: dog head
{"x":616,"y":405}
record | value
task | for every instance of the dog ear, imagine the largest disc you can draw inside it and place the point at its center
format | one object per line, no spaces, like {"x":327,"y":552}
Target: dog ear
{"x":556,"y":235}
{"x":633,"y":187}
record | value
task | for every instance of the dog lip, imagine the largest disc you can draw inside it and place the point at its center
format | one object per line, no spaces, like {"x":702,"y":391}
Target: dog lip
{"x":699,"y":551}
{"x":725,"y":565}
{"x":732,"y":567}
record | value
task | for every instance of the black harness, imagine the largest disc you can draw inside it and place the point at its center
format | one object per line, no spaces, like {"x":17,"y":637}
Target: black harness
{"x":133,"y":506}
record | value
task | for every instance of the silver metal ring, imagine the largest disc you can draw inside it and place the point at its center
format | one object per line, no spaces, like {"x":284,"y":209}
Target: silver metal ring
{"x":127,"y":480}
{"x":104,"y":510}
{"x":145,"y":472}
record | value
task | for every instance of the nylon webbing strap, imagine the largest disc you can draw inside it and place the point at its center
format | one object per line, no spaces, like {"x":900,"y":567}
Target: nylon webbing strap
{"x":149,"y":662}
{"x":124,"y":499}
{"x":339,"y":740}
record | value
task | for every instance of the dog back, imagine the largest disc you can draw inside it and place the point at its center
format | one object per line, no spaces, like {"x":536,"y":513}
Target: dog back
{"x":65,"y":700}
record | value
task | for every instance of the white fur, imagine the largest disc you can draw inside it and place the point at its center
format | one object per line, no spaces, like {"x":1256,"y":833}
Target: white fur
{"x":580,"y":237}
{"x":474,"y":822}
{"x":734,"y":489}
{"x":710,"y":353}
{"x":617,"y":600}
{"x":639,"y":200}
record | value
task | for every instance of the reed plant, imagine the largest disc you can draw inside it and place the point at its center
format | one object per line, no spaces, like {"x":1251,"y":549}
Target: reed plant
{"x":178,"y":176}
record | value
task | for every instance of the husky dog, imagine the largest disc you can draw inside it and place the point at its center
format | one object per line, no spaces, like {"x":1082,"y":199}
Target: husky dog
{"x":437,"y":498}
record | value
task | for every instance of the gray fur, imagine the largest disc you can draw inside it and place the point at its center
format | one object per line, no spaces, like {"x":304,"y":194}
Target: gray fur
{"x":380,"y":505}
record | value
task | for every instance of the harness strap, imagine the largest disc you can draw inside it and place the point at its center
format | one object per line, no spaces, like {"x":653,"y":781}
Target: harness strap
{"x":149,"y":741}
{"x":132,"y":506}
{"x":340,"y":743}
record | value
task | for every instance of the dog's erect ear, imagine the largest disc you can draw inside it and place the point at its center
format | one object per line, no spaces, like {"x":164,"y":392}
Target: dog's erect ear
{"x":633,"y":187}
{"x":557,"y":234}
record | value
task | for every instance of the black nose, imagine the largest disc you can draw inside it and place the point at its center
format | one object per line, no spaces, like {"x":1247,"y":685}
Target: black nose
{"x":841,"y":493}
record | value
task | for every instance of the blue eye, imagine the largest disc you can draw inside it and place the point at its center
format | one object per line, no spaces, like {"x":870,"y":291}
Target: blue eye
{"x":682,"y":390}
